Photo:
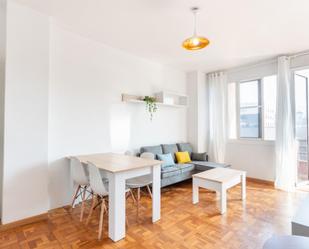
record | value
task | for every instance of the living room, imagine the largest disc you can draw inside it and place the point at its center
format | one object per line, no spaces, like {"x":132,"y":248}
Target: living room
{"x":106,"y":82}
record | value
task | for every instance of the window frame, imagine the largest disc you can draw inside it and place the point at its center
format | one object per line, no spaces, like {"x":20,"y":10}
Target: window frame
{"x":261,"y":138}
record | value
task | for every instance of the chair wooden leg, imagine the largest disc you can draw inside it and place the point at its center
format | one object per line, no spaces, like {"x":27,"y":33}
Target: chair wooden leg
{"x":137,"y":202}
{"x":105,"y":205}
{"x":74,"y":196}
{"x":94,"y":198}
{"x":149,"y":191}
{"x":83,"y":203}
{"x":101,"y":219}
{"x":132,"y":195}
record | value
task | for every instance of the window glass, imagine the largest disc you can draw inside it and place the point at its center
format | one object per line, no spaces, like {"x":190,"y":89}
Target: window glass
{"x":249,"y":122}
{"x":249,"y":93}
{"x":250,"y":111}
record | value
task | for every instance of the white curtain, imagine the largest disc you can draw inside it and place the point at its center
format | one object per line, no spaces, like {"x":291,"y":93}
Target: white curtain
{"x":286,"y":150}
{"x":217,"y":97}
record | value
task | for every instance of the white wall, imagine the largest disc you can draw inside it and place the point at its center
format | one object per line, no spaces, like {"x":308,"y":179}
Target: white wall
{"x":63,"y":97}
{"x":192,"y":122}
{"x":26,"y":114}
{"x":2,"y":82}
{"x":197,"y":111}
{"x":86,"y":114}
{"x":256,"y":158}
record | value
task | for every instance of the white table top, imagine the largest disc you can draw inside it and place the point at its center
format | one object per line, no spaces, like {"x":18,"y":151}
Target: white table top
{"x":302,"y":215}
{"x":219,"y":174}
{"x":287,"y":242}
{"x":113,"y":162}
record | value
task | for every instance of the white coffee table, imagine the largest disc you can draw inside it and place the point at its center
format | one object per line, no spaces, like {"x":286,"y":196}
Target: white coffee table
{"x":219,"y":179}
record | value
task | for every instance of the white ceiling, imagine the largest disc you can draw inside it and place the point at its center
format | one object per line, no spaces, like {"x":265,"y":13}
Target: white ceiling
{"x":240,"y":31}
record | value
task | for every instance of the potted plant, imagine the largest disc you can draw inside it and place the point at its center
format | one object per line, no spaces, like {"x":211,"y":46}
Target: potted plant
{"x":151,"y":105}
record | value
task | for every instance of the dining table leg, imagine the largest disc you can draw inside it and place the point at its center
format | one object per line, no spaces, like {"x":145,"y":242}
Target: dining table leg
{"x":117,"y":216}
{"x":156,"y":193}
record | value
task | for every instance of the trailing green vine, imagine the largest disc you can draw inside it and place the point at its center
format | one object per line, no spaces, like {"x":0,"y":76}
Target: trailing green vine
{"x":151,"y":105}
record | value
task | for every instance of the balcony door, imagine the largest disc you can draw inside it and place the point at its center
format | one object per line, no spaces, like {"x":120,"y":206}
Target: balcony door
{"x":301,"y":124}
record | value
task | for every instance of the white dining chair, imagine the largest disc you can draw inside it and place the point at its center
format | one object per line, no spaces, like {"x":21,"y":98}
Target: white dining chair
{"x":99,"y":187}
{"x":100,"y":192}
{"x":139,"y":182}
{"x":81,"y":180}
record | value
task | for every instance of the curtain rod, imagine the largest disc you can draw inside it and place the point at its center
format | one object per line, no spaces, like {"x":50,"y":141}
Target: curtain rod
{"x":299,"y":54}
{"x":261,"y":63}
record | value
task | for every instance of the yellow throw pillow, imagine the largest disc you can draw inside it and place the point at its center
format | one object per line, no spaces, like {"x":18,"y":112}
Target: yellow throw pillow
{"x":183,"y":157}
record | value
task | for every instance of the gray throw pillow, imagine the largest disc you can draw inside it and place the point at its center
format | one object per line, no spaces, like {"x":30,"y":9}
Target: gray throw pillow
{"x":199,"y":156}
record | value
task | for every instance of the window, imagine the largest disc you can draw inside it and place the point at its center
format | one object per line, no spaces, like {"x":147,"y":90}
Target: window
{"x":252,"y":109}
{"x":301,"y":109}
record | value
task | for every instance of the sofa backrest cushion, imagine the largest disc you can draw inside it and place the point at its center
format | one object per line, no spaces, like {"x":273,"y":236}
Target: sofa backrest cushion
{"x":152,"y":149}
{"x":170,"y":148}
{"x":185,"y":147}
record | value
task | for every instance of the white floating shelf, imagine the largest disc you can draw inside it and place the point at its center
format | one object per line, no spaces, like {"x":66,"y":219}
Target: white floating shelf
{"x":170,"y":98}
{"x":163,"y":99}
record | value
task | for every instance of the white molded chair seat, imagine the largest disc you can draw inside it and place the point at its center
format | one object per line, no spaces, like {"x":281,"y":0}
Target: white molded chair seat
{"x":139,"y":182}
{"x":79,"y":172}
{"x":100,"y":190}
{"x":96,"y":182}
{"x":81,"y":179}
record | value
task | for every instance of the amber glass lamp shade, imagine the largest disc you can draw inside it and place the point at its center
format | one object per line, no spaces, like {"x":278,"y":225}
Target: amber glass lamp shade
{"x":195,"y":43}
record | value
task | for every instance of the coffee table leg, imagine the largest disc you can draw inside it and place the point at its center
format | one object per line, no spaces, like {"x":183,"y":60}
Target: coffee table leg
{"x":223,"y":200}
{"x":243,"y":186}
{"x":195,"y":197}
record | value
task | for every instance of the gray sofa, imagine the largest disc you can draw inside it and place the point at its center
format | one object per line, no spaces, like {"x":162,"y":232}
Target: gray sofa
{"x":179,"y":172}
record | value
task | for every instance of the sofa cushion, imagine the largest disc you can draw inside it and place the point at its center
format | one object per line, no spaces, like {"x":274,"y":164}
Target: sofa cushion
{"x":185,"y":147}
{"x":167,"y":159}
{"x":199,"y":156}
{"x":185,"y":167}
{"x":152,"y":149}
{"x":170,"y":171}
{"x":204,"y":165}
{"x":170,"y":148}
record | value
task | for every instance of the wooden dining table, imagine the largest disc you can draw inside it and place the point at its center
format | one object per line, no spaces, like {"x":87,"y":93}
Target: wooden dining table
{"x":119,"y":168}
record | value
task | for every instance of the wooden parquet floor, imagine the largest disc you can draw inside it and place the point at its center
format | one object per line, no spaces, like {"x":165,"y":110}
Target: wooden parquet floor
{"x":183,"y":225}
